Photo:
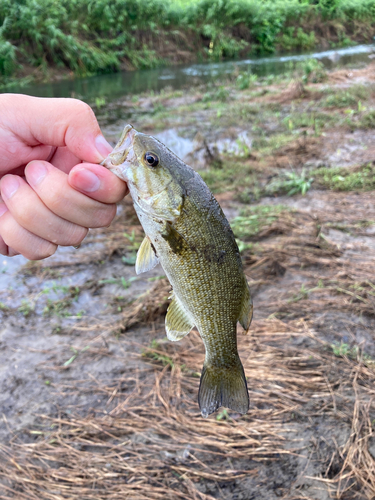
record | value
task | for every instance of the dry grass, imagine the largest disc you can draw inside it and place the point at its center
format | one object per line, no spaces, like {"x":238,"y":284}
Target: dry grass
{"x":152,"y":442}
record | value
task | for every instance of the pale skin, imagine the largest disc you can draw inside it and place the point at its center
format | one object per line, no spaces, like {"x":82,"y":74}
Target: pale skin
{"x":52,"y":188}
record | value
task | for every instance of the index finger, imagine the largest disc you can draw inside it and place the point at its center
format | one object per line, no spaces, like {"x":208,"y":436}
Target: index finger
{"x":56,"y":122}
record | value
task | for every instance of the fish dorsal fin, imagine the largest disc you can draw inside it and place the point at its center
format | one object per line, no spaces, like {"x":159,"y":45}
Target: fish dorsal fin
{"x":146,"y":257}
{"x":246,"y":314}
{"x":178,"y":322}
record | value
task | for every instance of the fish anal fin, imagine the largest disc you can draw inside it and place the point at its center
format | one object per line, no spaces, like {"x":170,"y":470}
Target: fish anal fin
{"x":178,"y":322}
{"x":223,"y":387}
{"x":246,"y":314}
{"x":146,"y":257}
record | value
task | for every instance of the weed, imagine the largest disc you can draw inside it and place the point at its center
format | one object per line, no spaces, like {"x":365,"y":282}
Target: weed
{"x":290,"y":183}
{"x":366,"y":121}
{"x":243,"y":246}
{"x":219,"y":94}
{"x":345,"y":179}
{"x":312,"y":70}
{"x":222,"y":45}
{"x":129,"y":260}
{"x":8,"y":60}
{"x":252,"y":220}
{"x":232,"y":175}
{"x":313,"y":120}
{"x":245,"y":79}
{"x":223,"y":415}
{"x":60,"y":307}
{"x":266,"y":145}
{"x":154,"y":353}
{"x":295,"y":38}
{"x":347,"y":98}
{"x":243,"y":147}
{"x":301,"y":295}
{"x":26,"y":308}
{"x":100,"y":102}
{"x":118,"y":281}
{"x":344,"y":350}
{"x":133,"y":240}
{"x":75,"y":355}
{"x":3,"y":307}
{"x":57,"y":307}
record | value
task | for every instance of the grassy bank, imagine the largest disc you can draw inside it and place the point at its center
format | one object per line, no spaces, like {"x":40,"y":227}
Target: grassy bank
{"x":88,"y":37}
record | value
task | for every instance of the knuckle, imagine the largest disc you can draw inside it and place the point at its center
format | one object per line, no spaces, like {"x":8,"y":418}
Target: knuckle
{"x":42,"y":251}
{"x":104,"y":216}
{"x":77,"y":236}
{"x":82,"y":108}
{"x":66,"y":235}
{"x":24,"y":217}
{"x":55,"y":203}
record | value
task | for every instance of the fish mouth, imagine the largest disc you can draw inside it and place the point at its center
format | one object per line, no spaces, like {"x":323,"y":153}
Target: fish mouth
{"x":122,"y":154}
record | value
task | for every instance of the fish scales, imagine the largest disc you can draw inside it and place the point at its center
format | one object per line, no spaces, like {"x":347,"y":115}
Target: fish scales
{"x":202,"y":270}
{"x":186,"y":230}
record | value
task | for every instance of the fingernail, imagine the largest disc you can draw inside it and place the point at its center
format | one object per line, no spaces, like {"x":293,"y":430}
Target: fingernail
{"x":35,"y":173}
{"x":9,"y":186}
{"x":103,"y":146}
{"x":85,"y":180}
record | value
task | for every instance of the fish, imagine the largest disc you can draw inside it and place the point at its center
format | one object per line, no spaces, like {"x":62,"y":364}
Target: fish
{"x":188,"y":233}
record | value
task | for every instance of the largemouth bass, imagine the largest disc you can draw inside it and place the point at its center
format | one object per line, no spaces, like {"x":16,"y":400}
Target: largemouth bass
{"x":187,"y":232}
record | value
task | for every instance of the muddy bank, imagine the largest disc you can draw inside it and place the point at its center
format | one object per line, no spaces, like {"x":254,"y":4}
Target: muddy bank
{"x":96,"y":403}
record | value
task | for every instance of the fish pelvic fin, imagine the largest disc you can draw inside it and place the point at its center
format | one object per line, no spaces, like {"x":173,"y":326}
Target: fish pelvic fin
{"x":178,"y":322}
{"x":146,"y":257}
{"x":223,"y":387}
{"x":246,"y":314}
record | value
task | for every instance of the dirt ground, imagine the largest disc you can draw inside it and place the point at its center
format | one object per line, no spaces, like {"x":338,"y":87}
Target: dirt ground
{"x":96,"y":404}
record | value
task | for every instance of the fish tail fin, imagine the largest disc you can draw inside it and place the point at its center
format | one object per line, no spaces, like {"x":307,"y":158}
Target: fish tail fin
{"x":223,"y":387}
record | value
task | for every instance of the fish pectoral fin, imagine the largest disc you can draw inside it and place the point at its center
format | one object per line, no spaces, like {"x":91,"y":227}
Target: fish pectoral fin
{"x":178,"y":322}
{"x":146,"y":257}
{"x":222,"y":386}
{"x":246,"y":314}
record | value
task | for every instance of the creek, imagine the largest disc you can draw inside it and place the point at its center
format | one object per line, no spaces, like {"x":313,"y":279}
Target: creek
{"x":115,"y":85}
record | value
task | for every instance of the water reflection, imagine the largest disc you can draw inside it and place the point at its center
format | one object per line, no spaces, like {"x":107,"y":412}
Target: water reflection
{"x":115,"y":85}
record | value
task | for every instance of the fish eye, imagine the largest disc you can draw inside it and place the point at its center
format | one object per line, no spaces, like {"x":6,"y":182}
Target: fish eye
{"x":152,"y":159}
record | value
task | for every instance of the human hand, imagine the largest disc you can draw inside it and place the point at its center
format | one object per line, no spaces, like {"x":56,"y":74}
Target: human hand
{"x":48,"y":195}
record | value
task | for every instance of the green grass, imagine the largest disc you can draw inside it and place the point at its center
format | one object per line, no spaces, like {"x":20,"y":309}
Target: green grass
{"x":26,"y":308}
{"x":366,"y":121}
{"x":253,"y":219}
{"x":314,"y":121}
{"x":290,"y":183}
{"x":118,"y":281}
{"x":155,"y":354}
{"x":245,"y":79}
{"x":89,"y":37}
{"x":231,"y":175}
{"x":345,"y":179}
{"x":311,"y":71}
{"x":346,"y":98}
{"x":294,"y":38}
{"x":60,"y":307}
{"x":344,"y":350}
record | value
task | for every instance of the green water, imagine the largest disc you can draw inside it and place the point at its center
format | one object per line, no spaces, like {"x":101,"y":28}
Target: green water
{"x":115,"y":85}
